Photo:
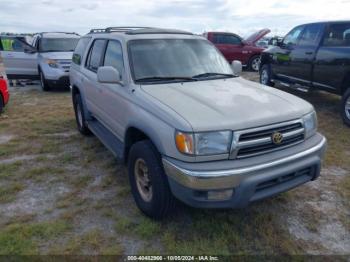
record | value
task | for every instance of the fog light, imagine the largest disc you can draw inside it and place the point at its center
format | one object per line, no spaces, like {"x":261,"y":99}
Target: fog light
{"x":220,"y":194}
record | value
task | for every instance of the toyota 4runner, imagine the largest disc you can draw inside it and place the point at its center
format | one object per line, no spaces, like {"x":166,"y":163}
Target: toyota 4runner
{"x":187,"y":126}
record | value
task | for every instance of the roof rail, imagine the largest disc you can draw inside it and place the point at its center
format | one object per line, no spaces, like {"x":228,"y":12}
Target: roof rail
{"x":97,"y":30}
{"x":134,"y":30}
{"x":121,"y":29}
{"x":70,"y":33}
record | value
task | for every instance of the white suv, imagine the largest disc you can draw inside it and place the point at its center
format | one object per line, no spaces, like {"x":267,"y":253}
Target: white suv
{"x":47,"y":57}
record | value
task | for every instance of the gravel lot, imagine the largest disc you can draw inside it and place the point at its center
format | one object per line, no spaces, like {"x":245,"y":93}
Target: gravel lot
{"x":61,"y":193}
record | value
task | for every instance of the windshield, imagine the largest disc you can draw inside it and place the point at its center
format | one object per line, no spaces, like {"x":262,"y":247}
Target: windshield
{"x":176,"y":58}
{"x":58,"y":44}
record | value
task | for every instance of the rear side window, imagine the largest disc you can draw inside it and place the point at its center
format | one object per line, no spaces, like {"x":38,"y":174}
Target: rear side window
{"x":226,"y":39}
{"x":337,"y":35}
{"x":114,"y":56}
{"x":311,"y":35}
{"x":80,"y":49}
{"x":94,"y":59}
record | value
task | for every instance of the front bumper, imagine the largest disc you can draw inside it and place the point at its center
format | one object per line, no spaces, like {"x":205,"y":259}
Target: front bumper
{"x":62,"y":82}
{"x":250,"y":179}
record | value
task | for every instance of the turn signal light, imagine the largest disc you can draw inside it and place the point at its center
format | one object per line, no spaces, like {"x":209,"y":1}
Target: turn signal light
{"x":184,"y":143}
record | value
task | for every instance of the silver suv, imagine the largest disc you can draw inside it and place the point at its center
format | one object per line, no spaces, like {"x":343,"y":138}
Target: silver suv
{"x":47,"y":57}
{"x":187,"y":126}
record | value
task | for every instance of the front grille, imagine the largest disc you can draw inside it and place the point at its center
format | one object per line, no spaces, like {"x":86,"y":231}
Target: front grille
{"x":65,"y":64}
{"x":259,"y":140}
{"x":266,"y":185}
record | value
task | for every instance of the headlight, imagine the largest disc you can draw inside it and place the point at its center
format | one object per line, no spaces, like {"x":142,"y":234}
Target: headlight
{"x":52,"y":63}
{"x":310,"y":124}
{"x":204,"y":143}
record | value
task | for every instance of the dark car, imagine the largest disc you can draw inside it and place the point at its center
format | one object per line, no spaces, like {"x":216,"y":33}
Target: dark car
{"x":233,"y":47}
{"x":312,"y":56}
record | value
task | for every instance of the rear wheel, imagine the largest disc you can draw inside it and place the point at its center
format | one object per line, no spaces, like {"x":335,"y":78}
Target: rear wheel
{"x":44,"y":85}
{"x":149,"y":184}
{"x":254,"y":63}
{"x":265,"y":75}
{"x":79,"y":115}
{"x":345,"y":108}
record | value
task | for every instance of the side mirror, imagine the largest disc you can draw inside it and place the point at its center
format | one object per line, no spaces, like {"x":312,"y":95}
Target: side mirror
{"x":109,"y":75}
{"x":279,"y":42}
{"x":236,"y":67}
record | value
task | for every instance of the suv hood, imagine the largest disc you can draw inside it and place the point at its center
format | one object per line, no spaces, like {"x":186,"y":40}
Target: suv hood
{"x":253,"y":38}
{"x":232,"y":104}
{"x":57,"y":55}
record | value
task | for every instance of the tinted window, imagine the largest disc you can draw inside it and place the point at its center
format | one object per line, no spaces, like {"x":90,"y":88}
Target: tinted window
{"x":114,"y":56}
{"x":338,"y":35}
{"x":12,"y":44}
{"x":293,"y":36}
{"x":57,"y":44}
{"x":95,"y":55}
{"x":79,"y":50}
{"x":311,"y":35}
{"x":226,"y":39}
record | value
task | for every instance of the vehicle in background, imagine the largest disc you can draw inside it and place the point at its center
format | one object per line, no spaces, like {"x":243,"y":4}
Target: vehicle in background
{"x":312,"y":56}
{"x":187,"y":126}
{"x":266,"y":42}
{"x":48,"y":58}
{"x":233,"y":47}
{"x":4,"y":93}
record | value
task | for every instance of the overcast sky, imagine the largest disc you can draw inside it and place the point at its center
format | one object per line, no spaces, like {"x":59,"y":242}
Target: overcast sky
{"x":239,"y":16}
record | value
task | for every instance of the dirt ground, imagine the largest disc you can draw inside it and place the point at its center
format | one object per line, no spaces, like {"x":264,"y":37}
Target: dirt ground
{"x":62,"y":193}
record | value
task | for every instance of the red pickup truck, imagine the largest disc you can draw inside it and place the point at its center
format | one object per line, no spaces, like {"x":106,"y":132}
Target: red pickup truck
{"x":234,"y":47}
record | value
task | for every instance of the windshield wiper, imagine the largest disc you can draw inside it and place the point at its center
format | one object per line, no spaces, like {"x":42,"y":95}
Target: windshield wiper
{"x":165,"y":78}
{"x":205,"y":75}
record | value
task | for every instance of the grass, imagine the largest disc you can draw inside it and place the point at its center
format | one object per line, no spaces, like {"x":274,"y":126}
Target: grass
{"x":8,"y":193}
{"x":24,"y":238}
{"x":91,"y":211}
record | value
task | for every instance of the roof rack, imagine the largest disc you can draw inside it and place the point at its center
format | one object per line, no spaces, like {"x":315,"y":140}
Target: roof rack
{"x":121,"y":29}
{"x":134,"y":30}
{"x":70,"y":33}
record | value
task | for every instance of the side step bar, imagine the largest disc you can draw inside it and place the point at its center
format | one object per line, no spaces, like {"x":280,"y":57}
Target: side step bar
{"x":298,"y":87}
{"x":107,"y":138}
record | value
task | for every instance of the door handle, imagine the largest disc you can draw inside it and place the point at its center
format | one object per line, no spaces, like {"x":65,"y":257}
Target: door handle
{"x":309,"y":53}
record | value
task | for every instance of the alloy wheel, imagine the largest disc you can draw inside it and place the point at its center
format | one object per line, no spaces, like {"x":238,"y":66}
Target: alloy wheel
{"x":264,"y":77}
{"x":347,"y":108}
{"x":79,"y":115}
{"x":256,"y":64}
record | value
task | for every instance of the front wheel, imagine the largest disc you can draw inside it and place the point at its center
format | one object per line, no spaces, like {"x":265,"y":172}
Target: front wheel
{"x":149,"y":184}
{"x":44,"y":85}
{"x":265,"y":75}
{"x":254,"y":63}
{"x":345,"y":108}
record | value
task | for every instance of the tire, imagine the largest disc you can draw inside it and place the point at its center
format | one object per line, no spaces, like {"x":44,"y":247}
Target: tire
{"x":265,"y":75}
{"x":79,"y":115}
{"x":345,"y":107}
{"x":153,"y":196}
{"x":1,"y":104}
{"x":43,"y":82}
{"x":254,"y":63}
